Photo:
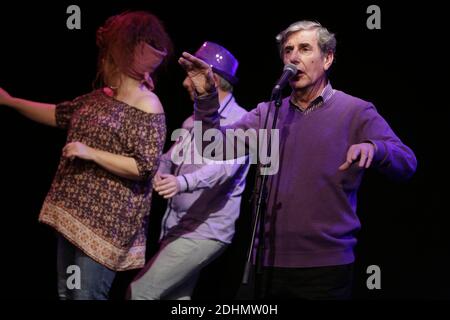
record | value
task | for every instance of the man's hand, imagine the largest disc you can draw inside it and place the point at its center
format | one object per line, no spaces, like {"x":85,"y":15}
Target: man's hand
{"x":166,"y":185}
{"x":78,"y":149}
{"x":157,"y":178}
{"x":199,"y":72}
{"x":365,"y":151}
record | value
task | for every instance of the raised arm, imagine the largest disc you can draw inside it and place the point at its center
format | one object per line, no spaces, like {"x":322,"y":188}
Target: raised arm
{"x":40,"y":112}
{"x":199,"y":72}
{"x":206,"y":111}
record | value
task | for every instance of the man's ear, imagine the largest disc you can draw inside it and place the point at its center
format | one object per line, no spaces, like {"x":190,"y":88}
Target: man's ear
{"x":328,"y":60}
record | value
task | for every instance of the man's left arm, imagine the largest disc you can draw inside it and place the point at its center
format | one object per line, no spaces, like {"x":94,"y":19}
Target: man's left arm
{"x":380,"y":147}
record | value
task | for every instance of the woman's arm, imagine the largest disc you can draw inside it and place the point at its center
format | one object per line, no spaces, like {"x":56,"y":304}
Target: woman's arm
{"x":40,"y":112}
{"x":121,"y":166}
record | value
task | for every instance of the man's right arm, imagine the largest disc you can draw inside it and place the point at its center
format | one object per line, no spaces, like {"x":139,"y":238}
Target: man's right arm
{"x":165,"y":163}
{"x":240,"y":137}
{"x":206,"y":111}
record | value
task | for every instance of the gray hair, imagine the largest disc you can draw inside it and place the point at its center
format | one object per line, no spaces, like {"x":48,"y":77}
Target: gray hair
{"x":325,"y":39}
{"x":224,"y":84}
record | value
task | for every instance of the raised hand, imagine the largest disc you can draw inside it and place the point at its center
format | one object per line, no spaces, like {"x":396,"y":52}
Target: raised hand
{"x":199,"y":72}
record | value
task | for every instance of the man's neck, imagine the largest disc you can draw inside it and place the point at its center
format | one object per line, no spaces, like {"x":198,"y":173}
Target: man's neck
{"x":303,"y":97}
{"x":223,"y":95}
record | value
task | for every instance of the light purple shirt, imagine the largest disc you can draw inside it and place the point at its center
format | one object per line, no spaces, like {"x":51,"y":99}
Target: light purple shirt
{"x":209,"y":200}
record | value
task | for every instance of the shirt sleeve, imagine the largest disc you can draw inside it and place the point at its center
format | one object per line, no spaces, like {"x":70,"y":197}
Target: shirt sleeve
{"x":207,"y":176}
{"x":146,"y":137}
{"x":165,"y":163}
{"x":65,"y":110}
{"x":391,"y":157}
{"x":206,"y":110}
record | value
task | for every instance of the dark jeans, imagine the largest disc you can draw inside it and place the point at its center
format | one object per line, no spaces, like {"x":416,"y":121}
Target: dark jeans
{"x":318,"y":283}
{"x":95,"y":279}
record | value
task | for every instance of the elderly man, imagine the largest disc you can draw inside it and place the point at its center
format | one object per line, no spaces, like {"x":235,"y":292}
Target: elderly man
{"x":204,"y":198}
{"x":327,"y":140}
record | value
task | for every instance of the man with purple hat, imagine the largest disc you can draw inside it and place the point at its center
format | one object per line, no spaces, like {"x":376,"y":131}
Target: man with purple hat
{"x":204,"y":199}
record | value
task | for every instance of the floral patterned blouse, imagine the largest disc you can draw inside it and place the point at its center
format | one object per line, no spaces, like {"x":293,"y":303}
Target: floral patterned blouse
{"x":101,"y":213}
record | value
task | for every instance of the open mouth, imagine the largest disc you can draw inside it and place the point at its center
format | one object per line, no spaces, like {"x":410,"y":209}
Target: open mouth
{"x":298,"y":75}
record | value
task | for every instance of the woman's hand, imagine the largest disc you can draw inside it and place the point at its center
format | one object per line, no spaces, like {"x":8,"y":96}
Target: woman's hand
{"x":5,"y":97}
{"x":79,"y":150}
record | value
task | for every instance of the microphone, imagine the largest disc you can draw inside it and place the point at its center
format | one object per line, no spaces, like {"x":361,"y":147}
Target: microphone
{"x":289,"y":71}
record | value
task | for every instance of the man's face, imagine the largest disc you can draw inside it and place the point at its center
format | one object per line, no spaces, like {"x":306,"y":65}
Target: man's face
{"x":189,"y":86}
{"x":302,"y":49}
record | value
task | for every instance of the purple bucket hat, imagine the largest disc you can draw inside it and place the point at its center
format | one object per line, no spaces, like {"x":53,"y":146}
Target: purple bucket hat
{"x":220,"y":59}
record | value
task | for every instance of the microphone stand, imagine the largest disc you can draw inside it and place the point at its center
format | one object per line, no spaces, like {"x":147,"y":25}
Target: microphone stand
{"x":260,"y":206}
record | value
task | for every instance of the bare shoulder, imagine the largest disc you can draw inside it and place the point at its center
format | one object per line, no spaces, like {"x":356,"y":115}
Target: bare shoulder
{"x":149,"y":102}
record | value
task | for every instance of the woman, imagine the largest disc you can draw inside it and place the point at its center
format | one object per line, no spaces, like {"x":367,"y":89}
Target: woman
{"x":100,"y":198}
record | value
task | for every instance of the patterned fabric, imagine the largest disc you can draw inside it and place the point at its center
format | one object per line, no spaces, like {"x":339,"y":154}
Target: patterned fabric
{"x":101,"y":213}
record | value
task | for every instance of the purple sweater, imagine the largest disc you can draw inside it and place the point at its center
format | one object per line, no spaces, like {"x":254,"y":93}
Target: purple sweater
{"x":311,"y":207}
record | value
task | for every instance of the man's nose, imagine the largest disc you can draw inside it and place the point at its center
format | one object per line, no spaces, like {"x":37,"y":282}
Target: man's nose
{"x":294,"y":58}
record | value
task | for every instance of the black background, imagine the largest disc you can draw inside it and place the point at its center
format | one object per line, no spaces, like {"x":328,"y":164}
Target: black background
{"x":399,"y":68}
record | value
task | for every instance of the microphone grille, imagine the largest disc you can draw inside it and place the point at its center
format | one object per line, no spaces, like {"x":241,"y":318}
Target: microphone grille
{"x":291,"y":67}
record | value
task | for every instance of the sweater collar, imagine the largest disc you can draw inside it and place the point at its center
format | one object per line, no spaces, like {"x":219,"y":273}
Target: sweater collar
{"x":324,"y":96}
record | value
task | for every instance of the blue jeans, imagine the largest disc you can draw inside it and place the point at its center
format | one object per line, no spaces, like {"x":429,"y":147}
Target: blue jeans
{"x":79,"y":276}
